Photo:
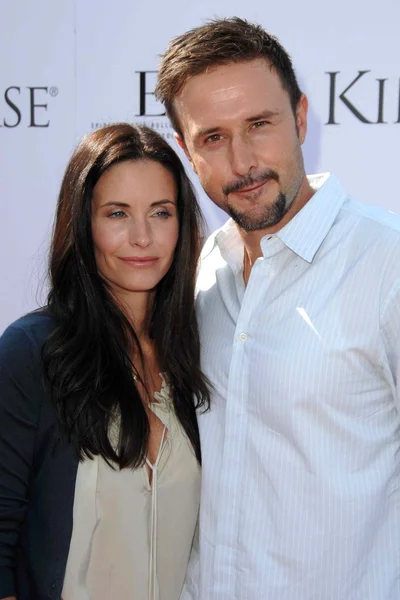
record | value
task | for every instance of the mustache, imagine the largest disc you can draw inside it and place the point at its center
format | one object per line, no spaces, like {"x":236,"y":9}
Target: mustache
{"x":250,"y":180}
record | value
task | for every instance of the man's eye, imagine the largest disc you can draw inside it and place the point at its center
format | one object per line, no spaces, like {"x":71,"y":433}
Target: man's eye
{"x":214,"y":138}
{"x":260,"y":124}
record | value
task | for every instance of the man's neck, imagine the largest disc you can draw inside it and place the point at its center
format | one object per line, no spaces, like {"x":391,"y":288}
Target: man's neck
{"x":252,"y":239}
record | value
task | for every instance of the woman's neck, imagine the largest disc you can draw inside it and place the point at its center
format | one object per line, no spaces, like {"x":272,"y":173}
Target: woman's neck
{"x":137,"y":307}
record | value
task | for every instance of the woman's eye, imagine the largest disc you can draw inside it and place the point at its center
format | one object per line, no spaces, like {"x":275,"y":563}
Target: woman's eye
{"x":117,"y":214}
{"x":162,"y":213}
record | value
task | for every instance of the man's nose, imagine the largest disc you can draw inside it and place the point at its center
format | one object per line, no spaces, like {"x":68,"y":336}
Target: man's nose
{"x":243,"y":157}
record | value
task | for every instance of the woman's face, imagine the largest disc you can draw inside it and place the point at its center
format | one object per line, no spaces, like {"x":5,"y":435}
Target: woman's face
{"x":134,"y":225}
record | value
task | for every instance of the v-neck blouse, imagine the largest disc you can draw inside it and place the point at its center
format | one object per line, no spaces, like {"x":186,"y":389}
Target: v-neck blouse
{"x":132,"y":539}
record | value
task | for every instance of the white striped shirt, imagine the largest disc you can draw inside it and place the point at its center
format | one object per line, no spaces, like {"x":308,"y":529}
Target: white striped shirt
{"x":301,"y":448}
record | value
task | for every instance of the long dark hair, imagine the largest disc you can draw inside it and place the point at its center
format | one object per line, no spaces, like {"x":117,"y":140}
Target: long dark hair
{"x":88,"y":356}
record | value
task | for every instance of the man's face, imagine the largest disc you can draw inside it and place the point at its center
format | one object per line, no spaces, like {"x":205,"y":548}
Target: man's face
{"x":243,"y":140}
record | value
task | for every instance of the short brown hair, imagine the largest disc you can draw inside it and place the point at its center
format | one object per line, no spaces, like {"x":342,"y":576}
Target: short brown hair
{"x":218,"y":42}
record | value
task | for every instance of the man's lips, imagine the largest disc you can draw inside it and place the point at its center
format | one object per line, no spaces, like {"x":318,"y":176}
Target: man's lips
{"x":256,"y":186}
{"x":139,"y":261}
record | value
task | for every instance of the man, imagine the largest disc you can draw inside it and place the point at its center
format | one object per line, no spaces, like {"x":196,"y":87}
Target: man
{"x":299,"y":310}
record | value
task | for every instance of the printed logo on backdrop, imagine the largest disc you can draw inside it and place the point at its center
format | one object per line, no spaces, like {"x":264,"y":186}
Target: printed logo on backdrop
{"x":149,"y":111}
{"x":369,"y":99}
{"x":26,"y":106}
{"x":363,"y":96}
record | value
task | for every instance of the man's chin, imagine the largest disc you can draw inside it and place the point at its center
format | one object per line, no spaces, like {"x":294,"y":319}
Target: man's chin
{"x":256,"y":222}
{"x":249,"y":226}
{"x":257,"y":218}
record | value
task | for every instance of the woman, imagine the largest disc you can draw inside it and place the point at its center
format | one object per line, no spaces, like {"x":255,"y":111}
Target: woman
{"x":99,"y":445}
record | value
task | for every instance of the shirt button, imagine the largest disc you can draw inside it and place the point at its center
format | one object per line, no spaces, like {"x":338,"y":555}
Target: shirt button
{"x":243,"y":337}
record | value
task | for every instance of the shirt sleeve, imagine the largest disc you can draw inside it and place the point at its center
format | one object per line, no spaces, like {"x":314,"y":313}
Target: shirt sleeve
{"x":190,"y":590}
{"x":20,"y":404}
{"x":390,"y":328}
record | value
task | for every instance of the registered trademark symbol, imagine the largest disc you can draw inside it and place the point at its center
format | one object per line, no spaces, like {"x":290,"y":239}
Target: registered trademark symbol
{"x":53,"y":91}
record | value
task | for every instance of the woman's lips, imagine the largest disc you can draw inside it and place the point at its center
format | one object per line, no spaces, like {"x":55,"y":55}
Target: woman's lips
{"x":139,"y":261}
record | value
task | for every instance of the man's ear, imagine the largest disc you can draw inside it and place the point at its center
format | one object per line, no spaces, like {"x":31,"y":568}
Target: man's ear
{"x":301,"y":117}
{"x":181,"y":142}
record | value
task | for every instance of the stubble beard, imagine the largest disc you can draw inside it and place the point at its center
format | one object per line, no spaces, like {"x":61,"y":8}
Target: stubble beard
{"x":271,"y":215}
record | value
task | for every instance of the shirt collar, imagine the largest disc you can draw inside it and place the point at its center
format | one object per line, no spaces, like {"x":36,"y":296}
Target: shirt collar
{"x":307,"y":230}
{"x":304,"y":234}
{"x":230,"y":244}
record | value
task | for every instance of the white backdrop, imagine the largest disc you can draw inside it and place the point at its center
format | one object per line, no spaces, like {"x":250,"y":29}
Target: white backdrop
{"x":69,"y":67}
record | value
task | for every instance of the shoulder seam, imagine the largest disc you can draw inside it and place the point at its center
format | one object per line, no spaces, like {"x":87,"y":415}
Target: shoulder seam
{"x":374,"y":218}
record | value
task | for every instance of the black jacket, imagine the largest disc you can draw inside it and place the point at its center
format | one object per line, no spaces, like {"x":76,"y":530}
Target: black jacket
{"x":37,"y":470}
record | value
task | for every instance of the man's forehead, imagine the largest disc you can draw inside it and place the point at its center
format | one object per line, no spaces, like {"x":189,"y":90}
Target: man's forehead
{"x":228,"y":69}
{"x":210,"y":105}
{"x":227,"y":82}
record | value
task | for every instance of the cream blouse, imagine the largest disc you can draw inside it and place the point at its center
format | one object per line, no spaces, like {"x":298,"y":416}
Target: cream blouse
{"x":131,"y":539}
